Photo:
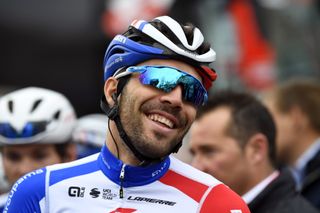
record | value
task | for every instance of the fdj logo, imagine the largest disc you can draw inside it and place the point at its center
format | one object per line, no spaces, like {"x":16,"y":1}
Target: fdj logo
{"x":95,"y":193}
{"x":75,"y":191}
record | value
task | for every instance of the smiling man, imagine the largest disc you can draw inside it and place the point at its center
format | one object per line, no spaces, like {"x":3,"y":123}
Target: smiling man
{"x":156,"y":75}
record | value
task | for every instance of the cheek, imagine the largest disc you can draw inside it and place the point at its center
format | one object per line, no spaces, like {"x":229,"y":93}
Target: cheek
{"x":225,"y":164}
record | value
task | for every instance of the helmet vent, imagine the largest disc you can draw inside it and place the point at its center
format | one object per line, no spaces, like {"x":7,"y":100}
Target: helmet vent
{"x":57,"y":115}
{"x":35,"y":105}
{"x":166,"y":31}
{"x":10,"y":106}
{"x":117,"y":51}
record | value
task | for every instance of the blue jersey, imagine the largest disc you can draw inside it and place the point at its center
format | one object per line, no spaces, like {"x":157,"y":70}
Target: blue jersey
{"x":101,"y":183}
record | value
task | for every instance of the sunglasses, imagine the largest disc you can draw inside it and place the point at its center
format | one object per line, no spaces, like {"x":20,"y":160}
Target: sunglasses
{"x":30,"y":129}
{"x":167,"y":78}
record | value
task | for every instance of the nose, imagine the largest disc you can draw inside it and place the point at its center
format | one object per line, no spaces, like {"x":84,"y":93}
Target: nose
{"x":174,"y":97}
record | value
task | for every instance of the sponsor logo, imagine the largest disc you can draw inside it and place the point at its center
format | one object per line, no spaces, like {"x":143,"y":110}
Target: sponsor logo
{"x":107,"y":194}
{"x":236,"y":211}
{"x":95,"y":193}
{"x":120,"y":38}
{"x":16,"y":185}
{"x":159,"y":170}
{"x":152,"y":200}
{"x":123,"y":210}
{"x":75,"y":191}
{"x":115,"y":61}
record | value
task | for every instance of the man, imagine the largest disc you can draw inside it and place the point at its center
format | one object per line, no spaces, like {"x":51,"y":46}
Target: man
{"x":233,"y":139}
{"x":295,"y":106}
{"x":153,"y":85}
{"x":35,"y":128}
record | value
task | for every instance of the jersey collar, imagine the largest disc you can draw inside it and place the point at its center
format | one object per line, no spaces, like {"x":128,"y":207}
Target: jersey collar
{"x":133,"y":175}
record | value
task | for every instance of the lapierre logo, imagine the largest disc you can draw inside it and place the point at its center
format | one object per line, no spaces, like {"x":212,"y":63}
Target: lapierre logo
{"x":95,"y":193}
{"x":75,"y":191}
{"x":152,"y":200}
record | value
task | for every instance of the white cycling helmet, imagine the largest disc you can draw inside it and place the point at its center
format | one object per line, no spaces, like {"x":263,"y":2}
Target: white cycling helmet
{"x":35,"y":115}
{"x":91,"y":129}
{"x":161,"y":38}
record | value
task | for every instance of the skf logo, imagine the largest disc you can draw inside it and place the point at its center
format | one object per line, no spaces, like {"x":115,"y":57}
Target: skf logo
{"x":75,"y":191}
{"x":95,"y":193}
{"x":123,"y":210}
{"x":236,"y":211}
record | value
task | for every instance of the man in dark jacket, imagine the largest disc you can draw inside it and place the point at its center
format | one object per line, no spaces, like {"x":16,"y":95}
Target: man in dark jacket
{"x":233,"y":139}
{"x":295,"y":106}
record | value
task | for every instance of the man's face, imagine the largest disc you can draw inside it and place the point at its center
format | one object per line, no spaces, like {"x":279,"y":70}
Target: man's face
{"x":216,"y":153}
{"x":21,"y":159}
{"x":154,"y":120}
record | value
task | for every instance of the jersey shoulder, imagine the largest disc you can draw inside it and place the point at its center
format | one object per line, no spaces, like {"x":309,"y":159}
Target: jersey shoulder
{"x":60,"y":172}
{"x":223,"y":200}
{"x":27,"y":192}
{"x":187,"y":171}
{"x":211,"y":194}
{"x":186,"y":179}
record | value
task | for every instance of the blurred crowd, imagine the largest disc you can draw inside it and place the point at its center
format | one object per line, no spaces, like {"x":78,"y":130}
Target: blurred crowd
{"x":265,"y":48}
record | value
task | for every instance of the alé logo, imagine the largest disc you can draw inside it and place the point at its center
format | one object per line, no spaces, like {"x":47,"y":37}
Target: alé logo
{"x":123,"y":210}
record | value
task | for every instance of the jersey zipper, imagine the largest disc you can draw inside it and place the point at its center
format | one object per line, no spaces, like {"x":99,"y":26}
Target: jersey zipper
{"x":121,"y":180}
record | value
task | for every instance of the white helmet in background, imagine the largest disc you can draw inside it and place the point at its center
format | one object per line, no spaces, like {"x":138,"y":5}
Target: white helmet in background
{"x":90,"y":134}
{"x":91,"y":129}
{"x":35,"y":115}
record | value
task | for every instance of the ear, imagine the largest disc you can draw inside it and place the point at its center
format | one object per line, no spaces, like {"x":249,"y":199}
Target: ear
{"x":257,"y":149}
{"x":110,"y":88}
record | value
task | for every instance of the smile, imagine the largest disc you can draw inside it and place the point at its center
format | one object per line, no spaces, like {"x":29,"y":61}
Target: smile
{"x":161,"y":119}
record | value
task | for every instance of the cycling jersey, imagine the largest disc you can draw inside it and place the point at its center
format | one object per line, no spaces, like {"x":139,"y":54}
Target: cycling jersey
{"x":3,"y":199}
{"x":101,"y":183}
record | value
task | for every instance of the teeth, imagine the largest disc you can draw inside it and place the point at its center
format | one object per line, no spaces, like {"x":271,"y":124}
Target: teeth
{"x":161,"y":119}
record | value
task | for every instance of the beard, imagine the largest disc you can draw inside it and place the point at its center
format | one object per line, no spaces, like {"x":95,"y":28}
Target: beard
{"x":157,"y":146}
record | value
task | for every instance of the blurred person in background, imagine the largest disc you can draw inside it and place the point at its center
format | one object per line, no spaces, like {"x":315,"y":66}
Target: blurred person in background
{"x":295,"y":105}
{"x":89,"y":134}
{"x":35,"y":131}
{"x":233,"y":139}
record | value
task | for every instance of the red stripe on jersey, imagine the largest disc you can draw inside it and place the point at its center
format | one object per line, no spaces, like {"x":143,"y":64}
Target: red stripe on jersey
{"x":190,"y":187}
{"x":223,"y":200}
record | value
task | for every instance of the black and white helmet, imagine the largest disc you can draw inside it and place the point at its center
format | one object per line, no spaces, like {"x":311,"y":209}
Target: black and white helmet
{"x":164,"y":38}
{"x":35,"y":115}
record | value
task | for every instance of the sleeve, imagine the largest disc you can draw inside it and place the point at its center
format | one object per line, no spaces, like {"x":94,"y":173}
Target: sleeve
{"x":26,"y":193}
{"x":223,"y":200}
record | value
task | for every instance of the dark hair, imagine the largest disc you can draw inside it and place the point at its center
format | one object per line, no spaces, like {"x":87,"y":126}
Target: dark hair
{"x":248,"y":117}
{"x":303,"y":93}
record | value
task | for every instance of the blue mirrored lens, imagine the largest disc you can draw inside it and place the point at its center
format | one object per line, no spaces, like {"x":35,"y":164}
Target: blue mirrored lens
{"x":29,"y":130}
{"x":167,"y":78}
